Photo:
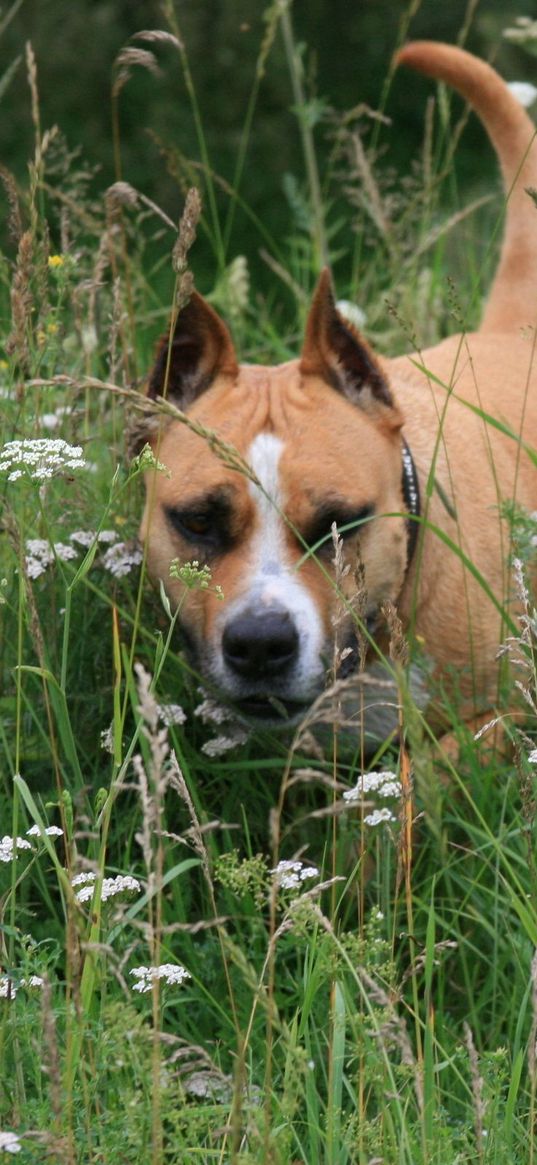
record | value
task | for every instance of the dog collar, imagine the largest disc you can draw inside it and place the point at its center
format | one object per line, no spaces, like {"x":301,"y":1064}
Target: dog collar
{"x":411,"y":496}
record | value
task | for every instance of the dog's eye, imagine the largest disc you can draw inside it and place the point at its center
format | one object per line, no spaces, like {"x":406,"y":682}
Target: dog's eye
{"x":198,"y":526}
{"x":194,"y":526}
{"x":319,"y":534}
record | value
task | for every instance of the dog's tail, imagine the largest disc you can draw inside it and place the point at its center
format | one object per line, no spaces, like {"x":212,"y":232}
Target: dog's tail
{"x":512,"y":300}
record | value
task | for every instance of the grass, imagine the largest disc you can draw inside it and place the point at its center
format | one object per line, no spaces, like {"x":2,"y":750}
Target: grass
{"x":381,"y":1010}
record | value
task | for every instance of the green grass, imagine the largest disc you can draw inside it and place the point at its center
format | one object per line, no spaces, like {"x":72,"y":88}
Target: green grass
{"x":388,"y":1010}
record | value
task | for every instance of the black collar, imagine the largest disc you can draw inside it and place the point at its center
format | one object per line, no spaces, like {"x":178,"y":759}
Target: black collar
{"x":411,"y":496}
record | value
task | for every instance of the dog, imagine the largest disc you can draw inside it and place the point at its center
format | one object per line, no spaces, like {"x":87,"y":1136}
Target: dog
{"x":413,"y":459}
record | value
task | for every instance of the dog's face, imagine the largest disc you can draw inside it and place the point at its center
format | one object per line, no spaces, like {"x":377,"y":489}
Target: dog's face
{"x":320,"y":438}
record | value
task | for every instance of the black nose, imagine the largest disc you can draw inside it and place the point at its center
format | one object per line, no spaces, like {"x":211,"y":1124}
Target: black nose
{"x":260,"y":643}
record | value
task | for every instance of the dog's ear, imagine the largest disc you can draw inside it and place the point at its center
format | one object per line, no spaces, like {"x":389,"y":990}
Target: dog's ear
{"x":336,"y":352}
{"x":201,"y":348}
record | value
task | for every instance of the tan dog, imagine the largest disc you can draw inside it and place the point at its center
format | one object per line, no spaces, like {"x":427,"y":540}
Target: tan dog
{"x":339,"y":436}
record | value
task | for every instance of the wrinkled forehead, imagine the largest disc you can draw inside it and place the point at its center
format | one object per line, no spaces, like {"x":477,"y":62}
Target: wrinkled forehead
{"x":291,"y":441}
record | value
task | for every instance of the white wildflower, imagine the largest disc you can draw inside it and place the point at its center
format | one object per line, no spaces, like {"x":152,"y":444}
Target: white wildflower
{"x":41,"y":554}
{"x":171,"y":973}
{"x":290,"y":874}
{"x":10,"y":1143}
{"x":81,"y":879}
{"x":121,"y":884}
{"x":40,"y":458}
{"x":9,"y":987}
{"x":121,"y":558}
{"x":171,"y":714}
{"x":524,"y":32}
{"x":86,"y":537}
{"x":9,"y":847}
{"x":378,"y":816}
{"x":533,"y":756}
{"x":384,"y":784}
{"x":50,"y":831}
{"x":524,"y":92}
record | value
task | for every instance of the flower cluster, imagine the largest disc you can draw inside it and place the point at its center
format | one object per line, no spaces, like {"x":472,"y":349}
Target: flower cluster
{"x":171,"y":973}
{"x":9,"y":988}
{"x":40,"y":458}
{"x":85,"y":538}
{"x":121,"y":884}
{"x":291,"y":874}
{"x":383,"y":784}
{"x":533,"y":756}
{"x":10,"y":1143}
{"x":122,"y":557}
{"x":9,"y":847}
{"x":119,"y":559}
{"x":49,"y":830}
{"x":41,"y":553}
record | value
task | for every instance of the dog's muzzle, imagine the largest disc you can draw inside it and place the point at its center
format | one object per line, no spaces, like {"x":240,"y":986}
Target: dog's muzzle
{"x":258,"y":644}
{"x":261,"y":653}
{"x":260,"y":650}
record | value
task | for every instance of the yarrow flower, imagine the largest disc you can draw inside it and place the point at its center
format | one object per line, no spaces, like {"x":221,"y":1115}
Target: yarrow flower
{"x":40,"y":458}
{"x":42,"y":553}
{"x":171,"y":973}
{"x":533,"y":756}
{"x":9,"y":987}
{"x":121,"y":884}
{"x":378,"y":816}
{"x":86,"y":537}
{"x":10,"y":846}
{"x":290,"y":874}
{"x":10,"y":1143}
{"x":50,"y":831}
{"x":121,"y":558}
{"x":384,"y":784}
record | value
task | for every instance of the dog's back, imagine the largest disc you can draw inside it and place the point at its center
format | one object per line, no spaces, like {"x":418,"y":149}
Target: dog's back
{"x":479,"y":392}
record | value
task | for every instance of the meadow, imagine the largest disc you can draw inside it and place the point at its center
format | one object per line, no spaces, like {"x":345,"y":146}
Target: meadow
{"x":221,"y":946}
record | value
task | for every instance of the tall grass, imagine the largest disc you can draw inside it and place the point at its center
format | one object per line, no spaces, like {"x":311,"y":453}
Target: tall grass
{"x":374,"y":1001}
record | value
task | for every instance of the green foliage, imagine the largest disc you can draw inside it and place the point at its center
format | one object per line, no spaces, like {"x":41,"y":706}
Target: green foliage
{"x":362,"y":1002}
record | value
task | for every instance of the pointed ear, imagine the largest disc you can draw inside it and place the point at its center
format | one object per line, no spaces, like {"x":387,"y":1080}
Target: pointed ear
{"x":201,"y":348}
{"x":336,"y":352}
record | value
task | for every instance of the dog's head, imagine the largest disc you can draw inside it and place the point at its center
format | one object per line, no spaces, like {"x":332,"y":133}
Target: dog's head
{"x":321,"y":439}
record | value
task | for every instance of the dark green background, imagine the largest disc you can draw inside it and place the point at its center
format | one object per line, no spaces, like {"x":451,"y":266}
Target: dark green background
{"x":348,"y":46}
